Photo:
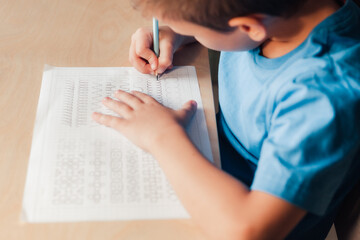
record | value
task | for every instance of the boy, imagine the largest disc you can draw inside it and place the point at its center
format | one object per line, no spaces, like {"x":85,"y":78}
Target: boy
{"x":289,"y":93}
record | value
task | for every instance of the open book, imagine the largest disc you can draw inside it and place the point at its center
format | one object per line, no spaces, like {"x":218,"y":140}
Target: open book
{"x":82,"y":171}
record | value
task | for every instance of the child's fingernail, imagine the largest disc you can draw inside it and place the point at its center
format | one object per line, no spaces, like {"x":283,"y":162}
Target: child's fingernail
{"x":153,"y":66}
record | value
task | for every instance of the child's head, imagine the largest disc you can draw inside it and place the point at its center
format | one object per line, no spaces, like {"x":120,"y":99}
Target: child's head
{"x":220,"y":24}
{"x":215,"y":14}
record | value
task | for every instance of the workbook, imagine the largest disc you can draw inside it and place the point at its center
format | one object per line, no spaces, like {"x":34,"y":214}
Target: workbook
{"x":82,"y":171}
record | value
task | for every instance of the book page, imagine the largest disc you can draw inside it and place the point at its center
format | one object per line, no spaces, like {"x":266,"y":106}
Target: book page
{"x":82,"y":171}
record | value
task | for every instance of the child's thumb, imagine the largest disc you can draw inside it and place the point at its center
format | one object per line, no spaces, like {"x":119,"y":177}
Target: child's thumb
{"x":186,"y":112}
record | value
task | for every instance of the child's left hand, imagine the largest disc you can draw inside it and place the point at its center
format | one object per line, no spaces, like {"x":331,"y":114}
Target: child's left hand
{"x":143,"y":120}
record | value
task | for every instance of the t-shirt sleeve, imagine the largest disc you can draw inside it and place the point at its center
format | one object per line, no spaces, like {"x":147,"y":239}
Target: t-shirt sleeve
{"x":305,"y":155}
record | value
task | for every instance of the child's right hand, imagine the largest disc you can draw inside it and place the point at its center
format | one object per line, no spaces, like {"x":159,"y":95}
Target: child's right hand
{"x":143,"y":58}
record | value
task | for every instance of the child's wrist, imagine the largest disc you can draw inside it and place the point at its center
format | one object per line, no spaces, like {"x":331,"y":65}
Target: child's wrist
{"x":169,"y":138}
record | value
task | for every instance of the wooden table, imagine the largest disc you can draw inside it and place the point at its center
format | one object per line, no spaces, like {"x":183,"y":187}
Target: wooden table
{"x":70,"y":33}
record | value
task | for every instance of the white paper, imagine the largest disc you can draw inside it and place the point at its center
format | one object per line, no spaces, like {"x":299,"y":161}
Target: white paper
{"x":81,"y":171}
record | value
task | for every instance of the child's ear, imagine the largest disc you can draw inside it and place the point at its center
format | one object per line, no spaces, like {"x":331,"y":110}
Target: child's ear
{"x":250,"y":25}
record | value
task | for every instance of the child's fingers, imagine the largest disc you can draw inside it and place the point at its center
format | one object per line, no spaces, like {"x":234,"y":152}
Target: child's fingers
{"x":128,"y":98}
{"x":144,"y":97}
{"x":140,"y":64}
{"x":109,"y":121}
{"x":120,"y":108}
{"x":146,"y":53}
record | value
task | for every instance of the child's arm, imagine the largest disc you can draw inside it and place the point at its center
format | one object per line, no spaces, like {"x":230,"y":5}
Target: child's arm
{"x":222,"y":206}
{"x":143,"y":58}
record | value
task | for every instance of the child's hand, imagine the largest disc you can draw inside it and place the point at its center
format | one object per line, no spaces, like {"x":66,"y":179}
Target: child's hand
{"x":143,"y":58}
{"x":143,"y":120}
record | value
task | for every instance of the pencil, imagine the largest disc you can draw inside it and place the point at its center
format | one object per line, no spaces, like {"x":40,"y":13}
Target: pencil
{"x":156,"y":40}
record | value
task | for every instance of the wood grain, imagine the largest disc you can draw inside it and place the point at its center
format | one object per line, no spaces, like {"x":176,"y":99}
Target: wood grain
{"x":70,"y":33}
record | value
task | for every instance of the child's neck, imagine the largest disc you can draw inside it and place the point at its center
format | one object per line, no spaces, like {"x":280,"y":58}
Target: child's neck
{"x":289,"y":34}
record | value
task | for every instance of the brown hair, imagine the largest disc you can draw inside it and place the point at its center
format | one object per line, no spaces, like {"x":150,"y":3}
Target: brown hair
{"x":215,"y":14}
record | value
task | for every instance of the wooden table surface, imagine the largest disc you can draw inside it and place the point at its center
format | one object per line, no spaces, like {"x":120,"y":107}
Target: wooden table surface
{"x":87,"y":33}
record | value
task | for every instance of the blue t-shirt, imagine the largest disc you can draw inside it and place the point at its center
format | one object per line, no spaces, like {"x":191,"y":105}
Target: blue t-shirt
{"x":297,"y":117}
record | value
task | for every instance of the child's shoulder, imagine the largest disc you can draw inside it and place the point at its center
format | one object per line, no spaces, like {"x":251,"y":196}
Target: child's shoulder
{"x":328,"y":60}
